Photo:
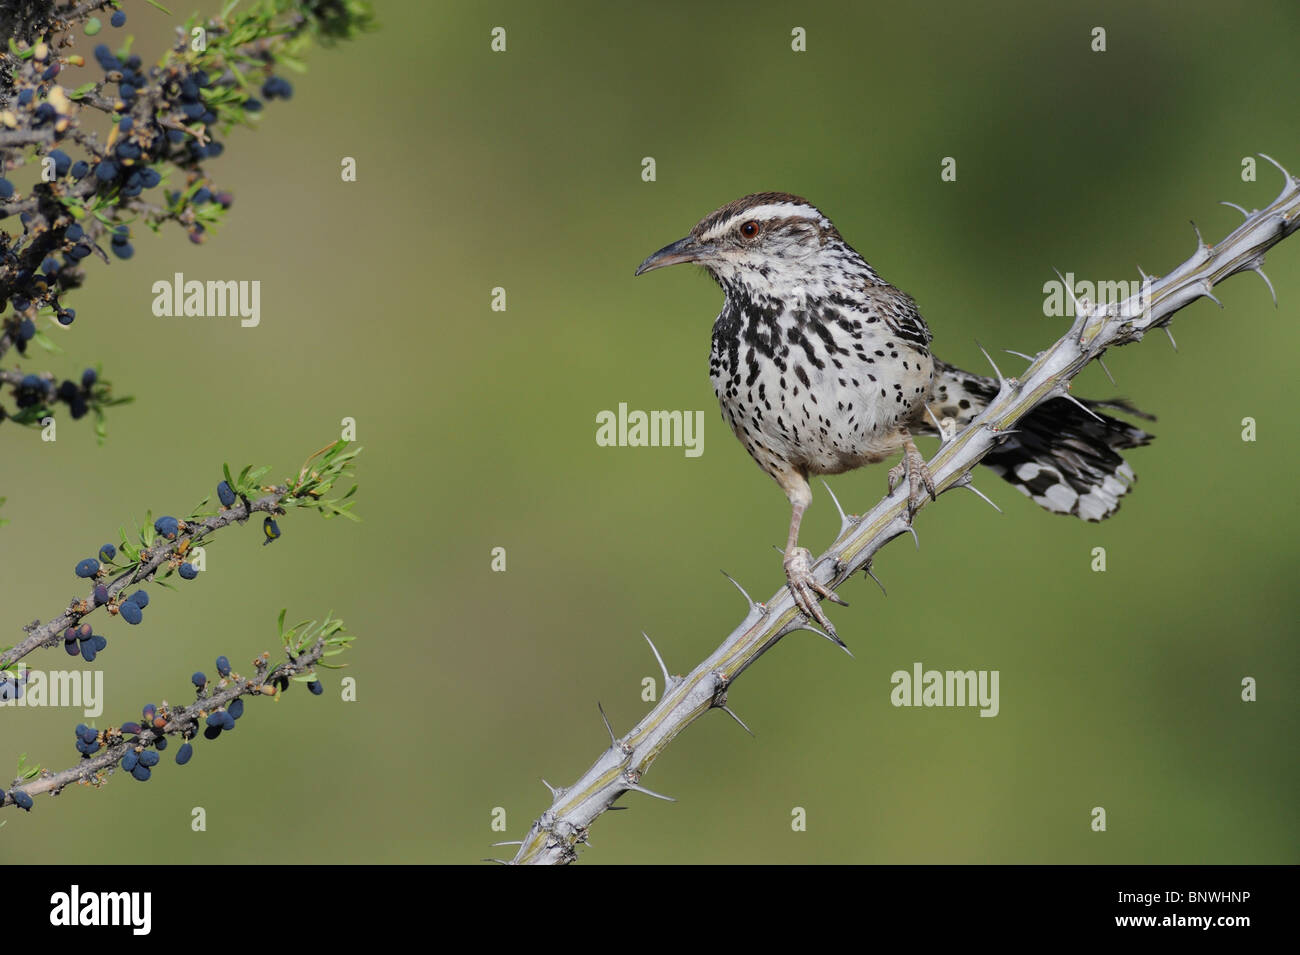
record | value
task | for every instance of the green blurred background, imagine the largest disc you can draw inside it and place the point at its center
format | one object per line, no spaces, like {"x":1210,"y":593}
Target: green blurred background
{"x":522,"y":170}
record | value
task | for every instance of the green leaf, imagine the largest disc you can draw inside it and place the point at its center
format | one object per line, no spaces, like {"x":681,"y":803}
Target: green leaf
{"x":280,"y":622}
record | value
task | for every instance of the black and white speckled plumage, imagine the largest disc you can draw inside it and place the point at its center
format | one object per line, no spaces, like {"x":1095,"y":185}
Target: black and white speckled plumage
{"x":821,"y":366}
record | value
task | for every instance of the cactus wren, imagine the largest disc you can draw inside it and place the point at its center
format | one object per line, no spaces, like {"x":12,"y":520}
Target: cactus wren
{"x":821,"y":366}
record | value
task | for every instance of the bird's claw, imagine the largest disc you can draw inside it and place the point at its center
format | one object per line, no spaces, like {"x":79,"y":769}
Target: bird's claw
{"x":805,"y":588}
{"x":920,"y":482}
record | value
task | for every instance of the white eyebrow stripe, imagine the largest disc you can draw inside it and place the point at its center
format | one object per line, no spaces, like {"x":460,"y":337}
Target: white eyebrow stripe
{"x":765,"y":213}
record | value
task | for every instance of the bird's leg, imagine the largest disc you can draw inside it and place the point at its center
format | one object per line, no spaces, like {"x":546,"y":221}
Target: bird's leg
{"x":804,"y":587}
{"x":920,"y":482}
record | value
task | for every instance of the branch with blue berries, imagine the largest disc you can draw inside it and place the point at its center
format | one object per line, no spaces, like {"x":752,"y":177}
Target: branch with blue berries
{"x":136,"y":746}
{"x":165,"y":118}
{"x":162,"y":546}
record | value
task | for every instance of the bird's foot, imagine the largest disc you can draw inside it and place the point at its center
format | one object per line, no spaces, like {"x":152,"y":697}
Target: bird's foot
{"x":805,"y":588}
{"x":920,"y":482}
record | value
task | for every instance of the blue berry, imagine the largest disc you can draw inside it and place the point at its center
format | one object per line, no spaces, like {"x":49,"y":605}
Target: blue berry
{"x":214,"y":719}
{"x":316,"y":687}
{"x":79,"y":170}
{"x":124,"y":250}
{"x":26,"y":96}
{"x":99,"y":641}
{"x":6,"y":188}
{"x":101,"y":594}
{"x":66,"y":316}
{"x":130,"y":759}
{"x":108,"y":551}
{"x":212,"y":732}
{"x":88,"y":651}
{"x":148,"y":712}
{"x":149,"y":178}
{"x":226,"y":494}
{"x":223,"y":666}
{"x":140,"y":598}
{"x":106,"y":59}
{"x":253,"y":105}
{"x":168,"y":527}
{"x":130,"y":728}
{"x":160,"y":743}
{"x":141,"y":771}
{"x":202,"y":196}
{"x":23,"y":801}
{"x":106,"y":171}
{"x":227,"y":721}
{"x":71,"y":647}
{"x":118,"y":19}
{"x":90,"y":567}
{"x":130,"y":612}
{"x":199,"y":679}
{"x":183,"y":754}
{"x":187,"y":571}
{"x":74,"y":231}
{"x":62,"y":162}
{"x":149,"y":758}
{"x":235,"y":708}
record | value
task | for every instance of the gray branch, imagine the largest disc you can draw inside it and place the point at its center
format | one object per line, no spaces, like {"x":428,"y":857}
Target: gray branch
{"x":555,"y":834}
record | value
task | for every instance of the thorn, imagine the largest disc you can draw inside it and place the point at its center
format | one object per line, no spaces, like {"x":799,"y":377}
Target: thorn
{"x":726,"y":709}
{"x":968,"y":483}
{"x":555,"y":790}
{"x":1200,"y":243}
{"x":914,"y":537}
{"x":996,"y":371}
{"x":1142,"y":272}
{"x":1069,"y":397}
{"x":612,"y":808}
{"x":668,"y":680}
{"x":1266,"y":282}
{"x":833,"y":638}
{"x":943,"y":436}
{"x":845,"y":520}
{"x":1106,"y":370}
{"x":778,"y":550}
{"x":867,"y":570}
{"x":1277,"y":164}
{"x":1208,"y":293}
{"x":748,"y":599}
{"x":1020,"y":354}
{"x":1073,"y":301}
{"x":1171,"y":338}
{"x":637,"y":787}
{"x":512,"y":842}
{"x":497,"y":861}
{"x":613,"y":740}
{"x":1235,"y":206}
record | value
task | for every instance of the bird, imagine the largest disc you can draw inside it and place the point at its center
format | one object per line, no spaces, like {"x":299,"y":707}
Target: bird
{"x":821,"y":366}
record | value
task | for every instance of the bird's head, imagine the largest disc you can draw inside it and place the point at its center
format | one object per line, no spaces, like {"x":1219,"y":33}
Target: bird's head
{"x":771,"y":243}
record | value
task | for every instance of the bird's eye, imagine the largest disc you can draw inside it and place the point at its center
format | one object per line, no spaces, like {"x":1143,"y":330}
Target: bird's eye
{"x":749,"y":229}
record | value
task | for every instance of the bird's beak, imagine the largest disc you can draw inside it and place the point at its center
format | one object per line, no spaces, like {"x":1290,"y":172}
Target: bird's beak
{"x":688,"y":249}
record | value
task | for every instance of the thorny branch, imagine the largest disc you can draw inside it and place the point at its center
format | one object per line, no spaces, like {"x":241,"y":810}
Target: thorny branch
{"x":555,"y":834}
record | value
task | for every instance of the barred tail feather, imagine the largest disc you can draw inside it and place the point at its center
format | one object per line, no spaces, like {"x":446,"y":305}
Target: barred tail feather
{"x":1061,"y":457}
